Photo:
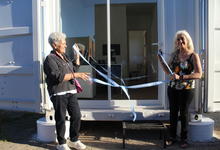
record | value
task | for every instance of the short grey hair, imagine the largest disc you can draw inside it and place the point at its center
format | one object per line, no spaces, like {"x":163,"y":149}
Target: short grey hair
{"x":56,"y":37}
{"x":188,"y":38}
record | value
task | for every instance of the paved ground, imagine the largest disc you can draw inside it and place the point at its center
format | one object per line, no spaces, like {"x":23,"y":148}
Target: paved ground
{"x":18,"y":132}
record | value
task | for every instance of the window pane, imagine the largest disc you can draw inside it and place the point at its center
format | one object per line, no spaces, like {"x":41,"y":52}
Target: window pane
{"x":134,"y":29}
{"x":85,"y":22}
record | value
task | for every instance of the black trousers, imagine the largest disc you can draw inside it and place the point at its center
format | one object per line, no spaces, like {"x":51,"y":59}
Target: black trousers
{"x":62,"y":104}
{"x":179,"y":102}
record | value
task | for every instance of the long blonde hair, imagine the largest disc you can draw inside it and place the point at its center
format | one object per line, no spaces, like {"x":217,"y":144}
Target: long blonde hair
{"x":190,"y":45}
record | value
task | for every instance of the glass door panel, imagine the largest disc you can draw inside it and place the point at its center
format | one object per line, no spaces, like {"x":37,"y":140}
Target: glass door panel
{"x":101,"y":49}
{"x":84,"y":22}
{"x":133,"y":58}
{"x":134,"y":29}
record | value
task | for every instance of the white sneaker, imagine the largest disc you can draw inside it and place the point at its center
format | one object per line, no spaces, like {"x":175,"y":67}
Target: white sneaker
{"x":63,"y":147}
{"x":78,"y":145}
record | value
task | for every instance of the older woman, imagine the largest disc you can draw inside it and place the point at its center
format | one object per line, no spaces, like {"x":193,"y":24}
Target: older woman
{"x":60,"y":72}
{"x":186,"y":67}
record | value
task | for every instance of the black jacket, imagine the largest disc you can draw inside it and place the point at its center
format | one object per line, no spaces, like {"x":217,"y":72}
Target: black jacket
{"x":55,"y":69}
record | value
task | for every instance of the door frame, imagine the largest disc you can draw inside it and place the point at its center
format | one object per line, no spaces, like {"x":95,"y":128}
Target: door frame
{"x":213,"y":65}
{"x":46,"y":19}
{"x":161,"y":45}
{"x":160,"y":103}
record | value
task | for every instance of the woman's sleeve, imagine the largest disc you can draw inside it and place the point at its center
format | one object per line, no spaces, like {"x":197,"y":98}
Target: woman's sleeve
{"x":76,"y":67}
{"x":52,"y":70}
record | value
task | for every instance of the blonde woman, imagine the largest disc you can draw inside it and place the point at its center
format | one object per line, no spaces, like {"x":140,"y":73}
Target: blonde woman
{"x":186,"y":67}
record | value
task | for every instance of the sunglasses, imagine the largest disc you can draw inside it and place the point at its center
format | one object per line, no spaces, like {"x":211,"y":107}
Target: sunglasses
{"x":181,"y":38}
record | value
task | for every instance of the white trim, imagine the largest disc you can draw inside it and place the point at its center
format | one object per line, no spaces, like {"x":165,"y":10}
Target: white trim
{"x":36,"y":29}
{"x":46,"y":19}
{"x":51,"y":22}
{"x":28,"y":70}
{"x":37,"y":44}
{"x":213,"y":65}
{"x":161,"y":45}
{"x":57,"y":12}
{"x":14,"y":31}
{"x":197,"y":44}
{"x":108,"y":104}
{"x":216,"y":107}
{"x":217,"y":67}
{"x":119,"y":114}
{"x":109,"y":46}
{"x":203,"y":30}
{"x":211,"y":8}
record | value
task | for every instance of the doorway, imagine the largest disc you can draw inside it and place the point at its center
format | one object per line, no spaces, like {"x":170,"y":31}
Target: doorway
{"x":142,"y":66}
{"x":128,"y":20}
{"x":133,"y":29}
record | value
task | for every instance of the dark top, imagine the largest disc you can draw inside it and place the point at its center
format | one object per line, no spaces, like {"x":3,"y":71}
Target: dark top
{"x":182,"y":68}
{"x":55,"y":69}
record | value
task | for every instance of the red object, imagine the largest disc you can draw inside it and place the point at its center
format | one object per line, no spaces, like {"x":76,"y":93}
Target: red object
{"x":78,"y":86}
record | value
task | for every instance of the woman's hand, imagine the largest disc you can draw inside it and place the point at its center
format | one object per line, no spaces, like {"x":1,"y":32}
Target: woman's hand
{"x":174,"y":77}
{"x":76,"y":55}
{"x":82,"y":75}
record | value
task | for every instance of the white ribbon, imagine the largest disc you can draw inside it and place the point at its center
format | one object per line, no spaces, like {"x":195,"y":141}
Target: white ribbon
{"x":112,"y":83}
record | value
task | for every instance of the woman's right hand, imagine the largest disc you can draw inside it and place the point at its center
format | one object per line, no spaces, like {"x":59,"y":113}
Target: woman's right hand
{"x":174,"y":77}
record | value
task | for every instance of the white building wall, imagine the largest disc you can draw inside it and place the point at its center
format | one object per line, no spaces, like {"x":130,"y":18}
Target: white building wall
{"x":19,"y":64}
{"x":178,"y":15}
{"x":182,"y":15}
{"x":213,"y":55}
